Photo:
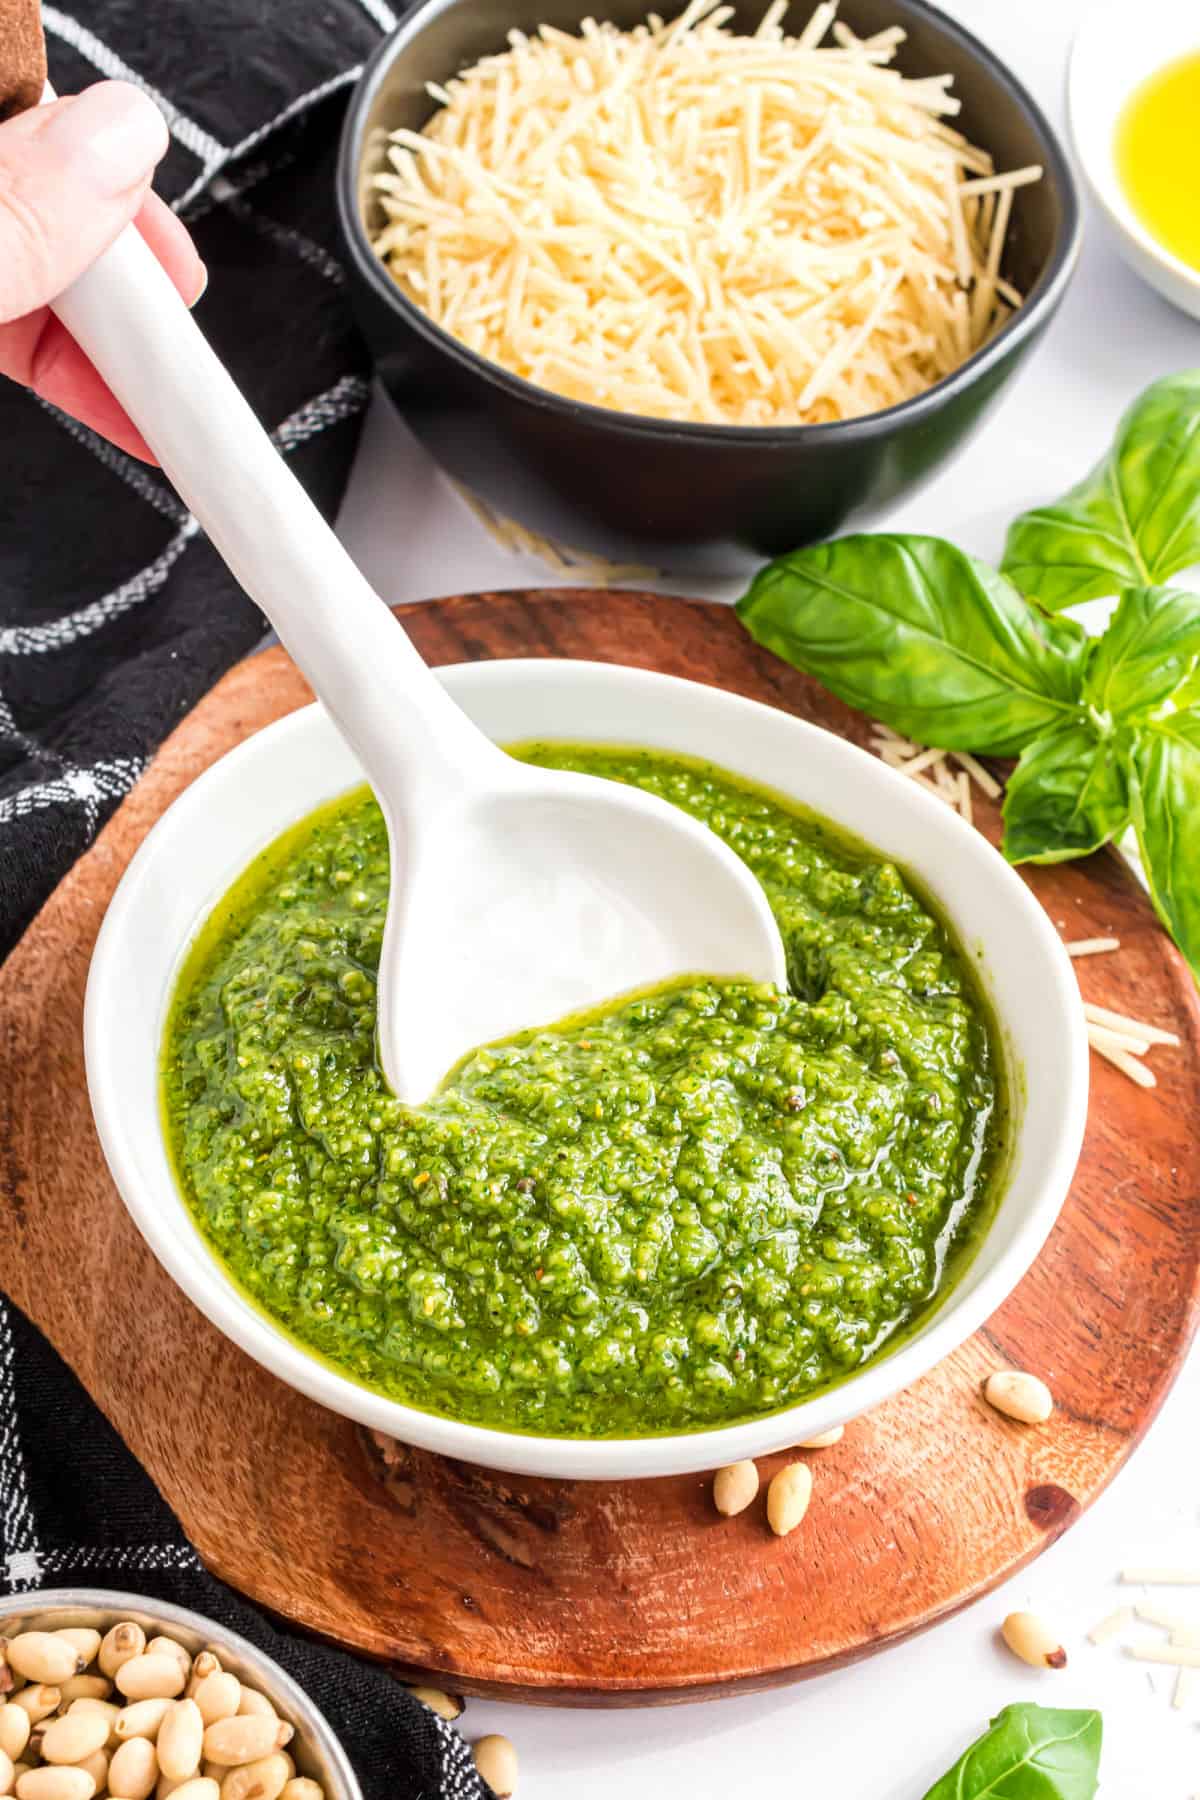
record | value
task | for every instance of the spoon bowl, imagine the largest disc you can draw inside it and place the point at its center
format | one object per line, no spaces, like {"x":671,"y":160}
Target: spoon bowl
{"x":518,"y":895}
{"x":542,"y":897}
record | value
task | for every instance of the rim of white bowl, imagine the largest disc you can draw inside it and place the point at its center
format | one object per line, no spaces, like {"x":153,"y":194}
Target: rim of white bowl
{"x":193,"y":1265}
{"x":1092,"y":124}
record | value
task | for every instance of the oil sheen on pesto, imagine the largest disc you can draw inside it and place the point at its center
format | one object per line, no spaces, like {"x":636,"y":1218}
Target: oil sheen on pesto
{"x":693,"y":1207}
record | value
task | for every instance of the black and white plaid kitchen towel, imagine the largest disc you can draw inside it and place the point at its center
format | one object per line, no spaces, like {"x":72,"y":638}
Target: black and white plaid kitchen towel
{"x":115,"y":616}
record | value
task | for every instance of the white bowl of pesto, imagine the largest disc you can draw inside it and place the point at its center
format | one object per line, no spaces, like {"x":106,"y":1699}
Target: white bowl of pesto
{"x":683,"y":1215}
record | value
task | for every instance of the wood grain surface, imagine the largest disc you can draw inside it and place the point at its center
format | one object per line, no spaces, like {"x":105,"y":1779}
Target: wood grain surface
{"x":607,"y":1594}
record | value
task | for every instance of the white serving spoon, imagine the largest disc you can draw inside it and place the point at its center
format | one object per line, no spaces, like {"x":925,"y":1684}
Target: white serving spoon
{"x":518,"y":894}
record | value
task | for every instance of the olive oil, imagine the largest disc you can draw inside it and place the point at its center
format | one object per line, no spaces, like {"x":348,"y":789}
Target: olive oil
{"x":1158,"y":156}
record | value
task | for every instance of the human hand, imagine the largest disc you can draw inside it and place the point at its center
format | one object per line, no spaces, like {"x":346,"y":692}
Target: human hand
{"x":72,"y":175}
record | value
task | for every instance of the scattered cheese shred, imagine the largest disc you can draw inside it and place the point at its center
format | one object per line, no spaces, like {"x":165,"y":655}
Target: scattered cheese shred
{"x":1160,"y":1577}
{"x":1176,"y":1656}
{"x":1111,"y":1626}
{"x":1125,"y":1060}
{"x":688,"y":224}
{"x":1153,"y":1034}
{"x":1098,"y":946}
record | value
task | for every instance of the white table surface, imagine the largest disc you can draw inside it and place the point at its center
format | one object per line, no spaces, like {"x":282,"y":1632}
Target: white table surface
{"x":887,"y":1728}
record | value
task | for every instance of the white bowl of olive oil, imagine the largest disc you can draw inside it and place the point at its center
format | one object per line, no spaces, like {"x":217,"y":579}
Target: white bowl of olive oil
{"x":1133,"y":98}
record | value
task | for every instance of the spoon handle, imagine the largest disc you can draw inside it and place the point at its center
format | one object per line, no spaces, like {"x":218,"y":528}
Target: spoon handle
{"x":408,"y":734}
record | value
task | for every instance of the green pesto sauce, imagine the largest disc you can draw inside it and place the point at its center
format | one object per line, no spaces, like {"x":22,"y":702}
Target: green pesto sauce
{"x":690,"y":1208}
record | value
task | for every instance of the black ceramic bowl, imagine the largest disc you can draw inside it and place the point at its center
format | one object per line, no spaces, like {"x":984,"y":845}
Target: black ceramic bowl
{"x":684,"y":497}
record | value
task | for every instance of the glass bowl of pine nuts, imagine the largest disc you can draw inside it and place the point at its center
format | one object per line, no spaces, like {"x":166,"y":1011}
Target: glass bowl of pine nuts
{"x":109,"y":1694}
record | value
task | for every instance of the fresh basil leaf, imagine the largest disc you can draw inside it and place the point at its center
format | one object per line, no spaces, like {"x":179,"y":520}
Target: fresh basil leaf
{"x":1166,"y":813}
{"x":909,"y":629}
{"x":1068,"y":795}
{"x":1151,"y":648}
{"x":1134,"y":521}
{"x":1028,"y":1753}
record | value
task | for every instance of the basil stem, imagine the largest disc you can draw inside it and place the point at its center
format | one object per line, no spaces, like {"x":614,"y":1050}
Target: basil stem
{"x":1134,"y":521}
{"x":911,"y":630}
{"x":1028,"y":1753}
{"x":1068,"y":795}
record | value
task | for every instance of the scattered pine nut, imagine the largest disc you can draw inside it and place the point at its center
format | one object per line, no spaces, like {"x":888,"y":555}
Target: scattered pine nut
{"x":1019,"y":1396}
{"x":824,"y":1439}
{"x":1032,"y":1640}
{"x":734,"y":1487}
{"x":496,"y":1761}
{"x":446,"y":1706}
{"x":788,"y":1496}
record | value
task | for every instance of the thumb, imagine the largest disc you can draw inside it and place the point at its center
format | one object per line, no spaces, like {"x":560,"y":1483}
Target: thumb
{"x":71,"y":175}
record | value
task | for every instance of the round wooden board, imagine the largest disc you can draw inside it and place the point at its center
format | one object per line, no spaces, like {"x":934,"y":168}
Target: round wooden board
{"x":602,"y":1594}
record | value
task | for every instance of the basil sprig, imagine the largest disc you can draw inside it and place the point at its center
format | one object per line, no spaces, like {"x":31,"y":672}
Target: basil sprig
{"x":1028,"y":1753}
{"x":954,"y":655}
{"x":1134,"y":521}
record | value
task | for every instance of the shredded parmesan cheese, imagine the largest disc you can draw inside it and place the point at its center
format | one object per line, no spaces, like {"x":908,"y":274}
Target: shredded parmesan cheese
{"x":1111,"y":1626}
{"x":1153,"y":1034}
{"x":1161,"y":1577}
{"x":687,"y":224}
{"x":1092,"y":946}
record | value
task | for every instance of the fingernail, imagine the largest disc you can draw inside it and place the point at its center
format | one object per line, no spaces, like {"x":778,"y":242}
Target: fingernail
{"x":198,"y":296}
{"x":112,"y":132}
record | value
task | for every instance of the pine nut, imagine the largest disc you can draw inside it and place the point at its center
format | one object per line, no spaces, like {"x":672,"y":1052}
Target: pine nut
{"x":85,"y":1687}
{"x":205,"y":1664}
{"x":96,"y":1765}
{"x":75,"y":1736}
{"x":121,"y":1645}
{"x":38,"y":1700}
{"x":200,"y":1787}
{"x":1032,"y":1640}
{"x":218,"y":1696}
{"x":243,"y":1739}
{"x":44,"y":1656}
{"x":7,"y":1773}
{"x":496,"y":1761}
{"x":261,"y":1780}
{"x":302,"y":1787}
{"x":168,"y":1784}
{"x":824,"y":1439}
{"x":253,"y":1702}
{"x":142,"y":1719}
{"x":149,"y":1677}
{"x":180,"y":1740}
{"x":1019,"y":1396}
{"x":55,"y":1784}
{"x":85,"y":1640}
{"x":14,"y":1730}
{"x":291,"y":1763}
{"x":788,"y":1496}
{"x":165,"y":1646}
{"x":7,"y":1678}
{"x":734,"y":1488}
{"x":107,"y":1709}
{"x":133,"y":1771}
{"x":446,"y":1706}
